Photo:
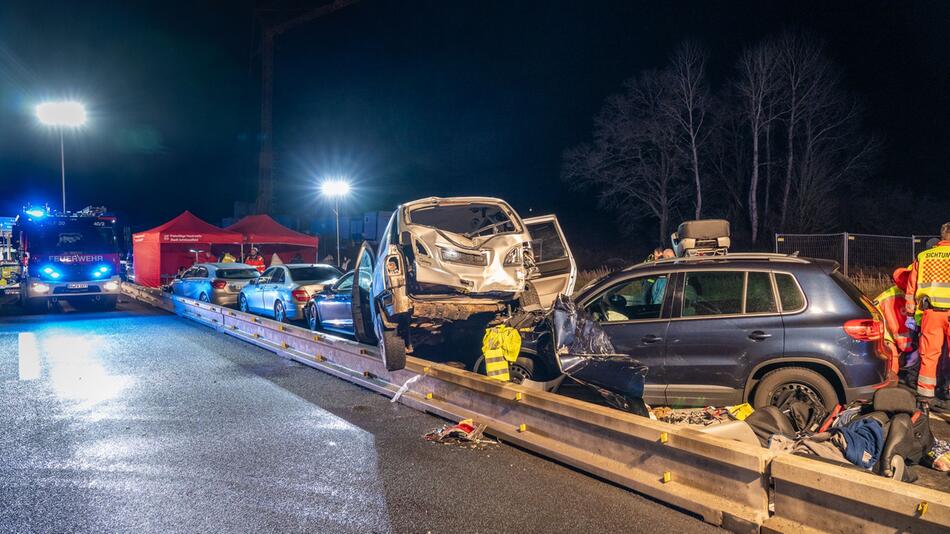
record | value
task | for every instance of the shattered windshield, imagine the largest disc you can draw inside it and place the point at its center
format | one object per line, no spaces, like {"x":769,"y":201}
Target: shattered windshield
{"x":469,"y":220}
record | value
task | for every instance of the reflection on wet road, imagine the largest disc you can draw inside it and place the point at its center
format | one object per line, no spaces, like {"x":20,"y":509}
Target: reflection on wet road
{"x":138,"y":420}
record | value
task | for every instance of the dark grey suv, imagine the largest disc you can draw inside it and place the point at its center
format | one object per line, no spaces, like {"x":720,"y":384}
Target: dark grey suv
{"x":720,"y":330}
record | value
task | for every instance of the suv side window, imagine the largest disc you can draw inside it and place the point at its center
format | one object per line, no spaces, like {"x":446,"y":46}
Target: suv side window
{"x":790,"y":295}
{"x":713,"y":293}
{"x":278,"y":276}
{"x":635,"y":299}
{"x":759,"y":297}
{"x":201,"y":272}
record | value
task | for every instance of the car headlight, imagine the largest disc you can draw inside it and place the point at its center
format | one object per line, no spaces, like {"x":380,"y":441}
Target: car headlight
{"x":450,"y":255}
{"x":110,"y":286}
{"x":514,"y":257}
{"x":40,"y":287}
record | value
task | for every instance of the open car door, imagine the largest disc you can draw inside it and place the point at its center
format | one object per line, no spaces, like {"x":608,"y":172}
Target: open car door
{"x":556,"y":266}
{"x":362,"y":299}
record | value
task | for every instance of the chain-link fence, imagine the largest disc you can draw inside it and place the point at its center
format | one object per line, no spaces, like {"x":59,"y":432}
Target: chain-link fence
{"x":855,"y":252}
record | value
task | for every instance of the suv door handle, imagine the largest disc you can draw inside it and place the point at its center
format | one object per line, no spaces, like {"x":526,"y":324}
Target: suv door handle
{"x":759,"y":335}
{"x":651,"y":339}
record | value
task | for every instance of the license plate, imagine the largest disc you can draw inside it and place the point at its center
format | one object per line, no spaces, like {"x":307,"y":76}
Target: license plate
{"x":235,"y":287}
{"x":77,"y":286}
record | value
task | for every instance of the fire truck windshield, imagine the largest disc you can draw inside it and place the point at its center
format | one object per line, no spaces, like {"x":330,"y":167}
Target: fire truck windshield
{"x":72,"y":238}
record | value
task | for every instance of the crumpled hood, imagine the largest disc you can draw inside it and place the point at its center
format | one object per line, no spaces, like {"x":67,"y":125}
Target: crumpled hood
{"x":584,"y":352}
{"x":492,"y":277}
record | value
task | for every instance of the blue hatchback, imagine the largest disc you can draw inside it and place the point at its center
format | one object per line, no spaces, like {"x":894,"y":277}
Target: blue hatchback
{"x":762,"y":328}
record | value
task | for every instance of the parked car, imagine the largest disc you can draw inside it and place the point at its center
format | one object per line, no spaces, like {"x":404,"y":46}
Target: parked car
{"x":283,"y":291}
{"x":218,"y":283}
{"x":332,"y":308}
{"x":448,"y":259}
{"x":722,"y":330}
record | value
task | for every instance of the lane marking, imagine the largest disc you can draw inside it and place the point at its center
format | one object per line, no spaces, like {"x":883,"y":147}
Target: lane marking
{"x":29,"y":356}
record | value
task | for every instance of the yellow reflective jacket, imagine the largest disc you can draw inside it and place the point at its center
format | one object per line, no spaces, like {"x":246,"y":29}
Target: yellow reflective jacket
{"x":930,"y":276}
{"x":501,"y":345}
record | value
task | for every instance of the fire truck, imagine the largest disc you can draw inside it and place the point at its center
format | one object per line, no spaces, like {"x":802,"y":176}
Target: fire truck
{"x":71,"y":256}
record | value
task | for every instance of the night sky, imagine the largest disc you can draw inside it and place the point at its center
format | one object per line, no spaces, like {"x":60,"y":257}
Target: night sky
{"x":409,"y":99}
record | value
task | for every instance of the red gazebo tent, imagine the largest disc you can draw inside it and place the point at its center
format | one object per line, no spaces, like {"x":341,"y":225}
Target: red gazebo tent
{"x":159,"y":252}
{"x":271,"y":237}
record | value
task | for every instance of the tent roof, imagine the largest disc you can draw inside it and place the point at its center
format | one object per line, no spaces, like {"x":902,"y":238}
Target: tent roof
{"x":262,"y":230}
{"x":187,"y":228}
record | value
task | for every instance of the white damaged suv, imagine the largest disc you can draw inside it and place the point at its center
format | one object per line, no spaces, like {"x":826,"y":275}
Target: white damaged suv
{"x":447,"y":259}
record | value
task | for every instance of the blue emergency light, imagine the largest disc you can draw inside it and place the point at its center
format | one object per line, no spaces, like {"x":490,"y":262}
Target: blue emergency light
{"x":36,"y":212}
{"x":51,"y":272}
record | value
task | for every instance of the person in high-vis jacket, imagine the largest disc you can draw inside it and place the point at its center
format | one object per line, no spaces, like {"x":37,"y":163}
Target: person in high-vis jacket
{"x":254,"y":259}
{"x":898,"y":338}
{"x":929,"y":284}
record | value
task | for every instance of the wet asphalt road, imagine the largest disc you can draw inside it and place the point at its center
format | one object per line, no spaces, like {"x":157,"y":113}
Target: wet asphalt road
{"x":138,"y":420}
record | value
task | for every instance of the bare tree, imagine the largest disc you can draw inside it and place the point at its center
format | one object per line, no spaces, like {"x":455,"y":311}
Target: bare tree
{"x":803,"y":71}
{"x":756,"y":87}
{"x":835,"y":153}
{"x":687,"y":106}
{"x":634,"y":161}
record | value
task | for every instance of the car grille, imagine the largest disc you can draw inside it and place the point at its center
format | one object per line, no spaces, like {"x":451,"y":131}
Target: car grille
{"x":465,"y":258}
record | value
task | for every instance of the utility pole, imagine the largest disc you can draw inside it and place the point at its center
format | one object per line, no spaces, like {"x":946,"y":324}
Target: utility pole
{"x":269,"y":33}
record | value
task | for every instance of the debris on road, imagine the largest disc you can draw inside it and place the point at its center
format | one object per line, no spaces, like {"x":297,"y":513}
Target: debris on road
{"x":466,"y":432}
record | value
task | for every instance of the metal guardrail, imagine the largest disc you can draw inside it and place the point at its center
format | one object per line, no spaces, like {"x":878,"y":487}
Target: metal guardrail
{"x":725,"y":482}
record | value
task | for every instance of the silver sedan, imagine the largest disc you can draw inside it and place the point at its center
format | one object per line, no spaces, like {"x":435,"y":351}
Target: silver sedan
{"x":218,"y":283}
{"x":283,"y":291}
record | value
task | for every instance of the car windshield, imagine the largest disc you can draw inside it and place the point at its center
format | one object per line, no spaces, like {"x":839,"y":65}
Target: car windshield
{"x":314,"y":274}
{"x":236,"y":274}
{"x":66,"y":238}
{"x":467,"y":219}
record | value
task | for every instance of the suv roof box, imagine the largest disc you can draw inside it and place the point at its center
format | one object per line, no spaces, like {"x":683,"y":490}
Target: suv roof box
{"x":702,"y":238}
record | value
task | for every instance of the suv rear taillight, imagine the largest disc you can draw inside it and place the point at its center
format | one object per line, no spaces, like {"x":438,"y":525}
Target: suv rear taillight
{"x":864,"y":329}
{"x":300,"y":295}
{"x":219,"y":284}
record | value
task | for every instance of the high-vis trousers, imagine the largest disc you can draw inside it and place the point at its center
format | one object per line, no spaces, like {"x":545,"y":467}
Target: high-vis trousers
{"x":934,"y":332}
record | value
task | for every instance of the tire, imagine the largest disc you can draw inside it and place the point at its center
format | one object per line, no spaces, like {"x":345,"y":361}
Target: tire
{"x":521,"y":369}
{"x":242,"y":303}
{"x":313,"y":317}
{"x":204,"y":297}
{"x":280,"y":314}
{"x":788,"y":379}
{"x":392,"y":348}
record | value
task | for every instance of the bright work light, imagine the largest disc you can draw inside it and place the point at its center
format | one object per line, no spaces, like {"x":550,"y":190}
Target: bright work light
{"x":334,"y":188}
{"x":62,"y":114}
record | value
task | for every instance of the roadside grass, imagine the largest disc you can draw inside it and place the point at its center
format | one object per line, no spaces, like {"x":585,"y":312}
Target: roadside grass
{"x":871,"y":283}
{"x":588,"y":275}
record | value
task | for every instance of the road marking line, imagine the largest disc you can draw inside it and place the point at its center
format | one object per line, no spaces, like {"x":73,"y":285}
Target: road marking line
{"x":29,"y":356}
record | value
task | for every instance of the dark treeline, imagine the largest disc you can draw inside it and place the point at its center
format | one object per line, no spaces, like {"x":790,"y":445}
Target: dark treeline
{"x":779,"y":146}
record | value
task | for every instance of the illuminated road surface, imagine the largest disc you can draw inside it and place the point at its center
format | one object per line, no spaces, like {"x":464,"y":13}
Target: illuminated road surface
{"x":138,"y":420}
